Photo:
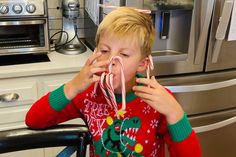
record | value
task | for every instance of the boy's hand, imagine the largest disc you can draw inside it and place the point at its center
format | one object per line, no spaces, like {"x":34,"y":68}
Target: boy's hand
{"x":89,"y":74}
{"x":159,"y":98}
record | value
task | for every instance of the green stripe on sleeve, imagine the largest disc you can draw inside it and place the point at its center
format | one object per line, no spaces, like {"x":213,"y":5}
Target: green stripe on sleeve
{"x":180,"y":130}
{"x":57,"y":99}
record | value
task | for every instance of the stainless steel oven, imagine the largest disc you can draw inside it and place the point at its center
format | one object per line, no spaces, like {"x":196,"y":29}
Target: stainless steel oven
{"x":23,"y":27}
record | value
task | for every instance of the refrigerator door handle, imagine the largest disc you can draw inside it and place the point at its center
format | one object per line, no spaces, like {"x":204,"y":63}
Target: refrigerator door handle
{"x":201,"y":87}
{"x":215,"y":126}
{"x":222,"y":28}
{"x":201,"y":45}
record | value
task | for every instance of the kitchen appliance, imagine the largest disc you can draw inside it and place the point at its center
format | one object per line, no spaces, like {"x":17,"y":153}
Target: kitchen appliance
{"x":69,"y":42}
{"x":23,"y":27}
{"x":195,"y":60}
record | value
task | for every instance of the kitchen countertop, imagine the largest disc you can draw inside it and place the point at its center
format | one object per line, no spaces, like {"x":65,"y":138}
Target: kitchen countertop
{"x":59,"y":63}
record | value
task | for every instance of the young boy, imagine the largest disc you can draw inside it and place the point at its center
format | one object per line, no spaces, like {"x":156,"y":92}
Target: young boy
{"x":152,"y":116}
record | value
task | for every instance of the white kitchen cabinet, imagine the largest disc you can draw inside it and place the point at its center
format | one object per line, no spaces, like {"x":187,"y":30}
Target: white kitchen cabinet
{"x":51,"y":83}
{"x":12,"y":113}
{"x":29,"y":89}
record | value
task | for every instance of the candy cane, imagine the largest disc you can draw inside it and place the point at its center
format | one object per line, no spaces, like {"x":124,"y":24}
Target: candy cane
{"x":106,"y":84}
{"x":149,"y":67}
{"x":103,"y":89}
{"x":122,"y":80}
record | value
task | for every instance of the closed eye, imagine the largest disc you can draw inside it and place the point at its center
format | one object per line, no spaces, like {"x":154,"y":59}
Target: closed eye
{"x":104,"y":51}
{"x":124,"y":54}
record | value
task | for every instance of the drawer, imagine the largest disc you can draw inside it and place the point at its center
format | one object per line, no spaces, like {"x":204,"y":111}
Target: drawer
{"x":13,"y":114}
{"x":26,"y":92}
{"x":51,"y":85}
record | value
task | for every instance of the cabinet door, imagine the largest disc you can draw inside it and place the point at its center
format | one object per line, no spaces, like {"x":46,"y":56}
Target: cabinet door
{"x":12,"y":111}
{"x":47,"y":85}
{"x":15,"y":99}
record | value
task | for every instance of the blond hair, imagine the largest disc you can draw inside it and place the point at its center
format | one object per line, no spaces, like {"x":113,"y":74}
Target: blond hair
{"x":128,"y":22}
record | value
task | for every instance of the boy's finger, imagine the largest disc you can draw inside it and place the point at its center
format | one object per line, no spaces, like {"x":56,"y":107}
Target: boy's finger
{"x":157,"y":84}
{"x":95,"y":51}
{"x":148,"y":82}
{"x":101,"y":63}
{"x":143,"y":89}
{"x":146,"y":96}
{"x":95,"y":78}
{"x":92,"y":58}
{"x":97,"y":71}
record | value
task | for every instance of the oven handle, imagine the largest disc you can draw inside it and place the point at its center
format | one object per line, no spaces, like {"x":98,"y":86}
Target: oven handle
{"x":215,"y":126}
{"x":28,"y":22}
{"x":201,"y":87}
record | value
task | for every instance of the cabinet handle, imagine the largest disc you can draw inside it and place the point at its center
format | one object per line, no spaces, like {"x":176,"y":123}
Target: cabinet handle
{"x":9,"y":97}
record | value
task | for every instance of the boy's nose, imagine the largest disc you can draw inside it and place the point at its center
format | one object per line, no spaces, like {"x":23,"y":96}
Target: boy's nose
{"x":113,"y":61}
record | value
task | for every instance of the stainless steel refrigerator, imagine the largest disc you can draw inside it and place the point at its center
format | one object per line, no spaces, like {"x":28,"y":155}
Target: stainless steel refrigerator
{"x":195,"y":60}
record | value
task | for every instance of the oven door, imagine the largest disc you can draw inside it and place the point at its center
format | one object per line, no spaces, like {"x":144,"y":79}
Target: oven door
{"x":216,"y":132}
{"x":23,"y":36}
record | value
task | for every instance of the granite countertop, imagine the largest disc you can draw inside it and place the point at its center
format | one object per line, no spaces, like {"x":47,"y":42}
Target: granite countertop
{"x":59,"y":63}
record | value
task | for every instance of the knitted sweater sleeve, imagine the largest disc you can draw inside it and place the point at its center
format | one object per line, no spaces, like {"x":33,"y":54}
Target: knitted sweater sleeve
{"x":51,"y":109}
{"x":180,"y":138}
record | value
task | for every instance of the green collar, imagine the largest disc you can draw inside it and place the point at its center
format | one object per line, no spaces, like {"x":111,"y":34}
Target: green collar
{"x":131,"y":96}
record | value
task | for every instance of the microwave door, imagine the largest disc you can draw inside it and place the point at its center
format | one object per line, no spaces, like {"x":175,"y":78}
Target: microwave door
{"x":221,"y":53}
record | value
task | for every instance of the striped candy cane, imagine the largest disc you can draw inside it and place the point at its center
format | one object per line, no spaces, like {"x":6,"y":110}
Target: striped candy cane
{"x":149,"y":67}
{"x":106,"y":85}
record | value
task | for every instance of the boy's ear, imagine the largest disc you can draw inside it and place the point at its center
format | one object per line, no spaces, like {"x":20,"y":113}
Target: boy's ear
{"x":143,"y":64}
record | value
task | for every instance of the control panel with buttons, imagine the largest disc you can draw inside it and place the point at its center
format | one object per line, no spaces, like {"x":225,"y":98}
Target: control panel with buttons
{"x":22,"y":8}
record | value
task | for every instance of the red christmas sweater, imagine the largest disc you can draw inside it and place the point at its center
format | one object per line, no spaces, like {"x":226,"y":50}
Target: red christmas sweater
{"x":141,"y":132}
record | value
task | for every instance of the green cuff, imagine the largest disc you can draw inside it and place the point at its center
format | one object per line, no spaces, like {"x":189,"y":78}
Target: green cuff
{"x":180,"y":130}
{"x":57,"y":99}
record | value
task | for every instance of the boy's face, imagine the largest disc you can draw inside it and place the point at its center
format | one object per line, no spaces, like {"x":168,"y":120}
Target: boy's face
{"x":130,"y":53}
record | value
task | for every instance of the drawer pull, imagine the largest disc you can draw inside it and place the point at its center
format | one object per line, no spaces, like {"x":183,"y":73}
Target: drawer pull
{"x":9,"y":97}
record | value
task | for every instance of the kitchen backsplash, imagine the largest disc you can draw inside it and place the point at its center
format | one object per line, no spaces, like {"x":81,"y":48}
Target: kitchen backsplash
{"x":55,"y":18}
